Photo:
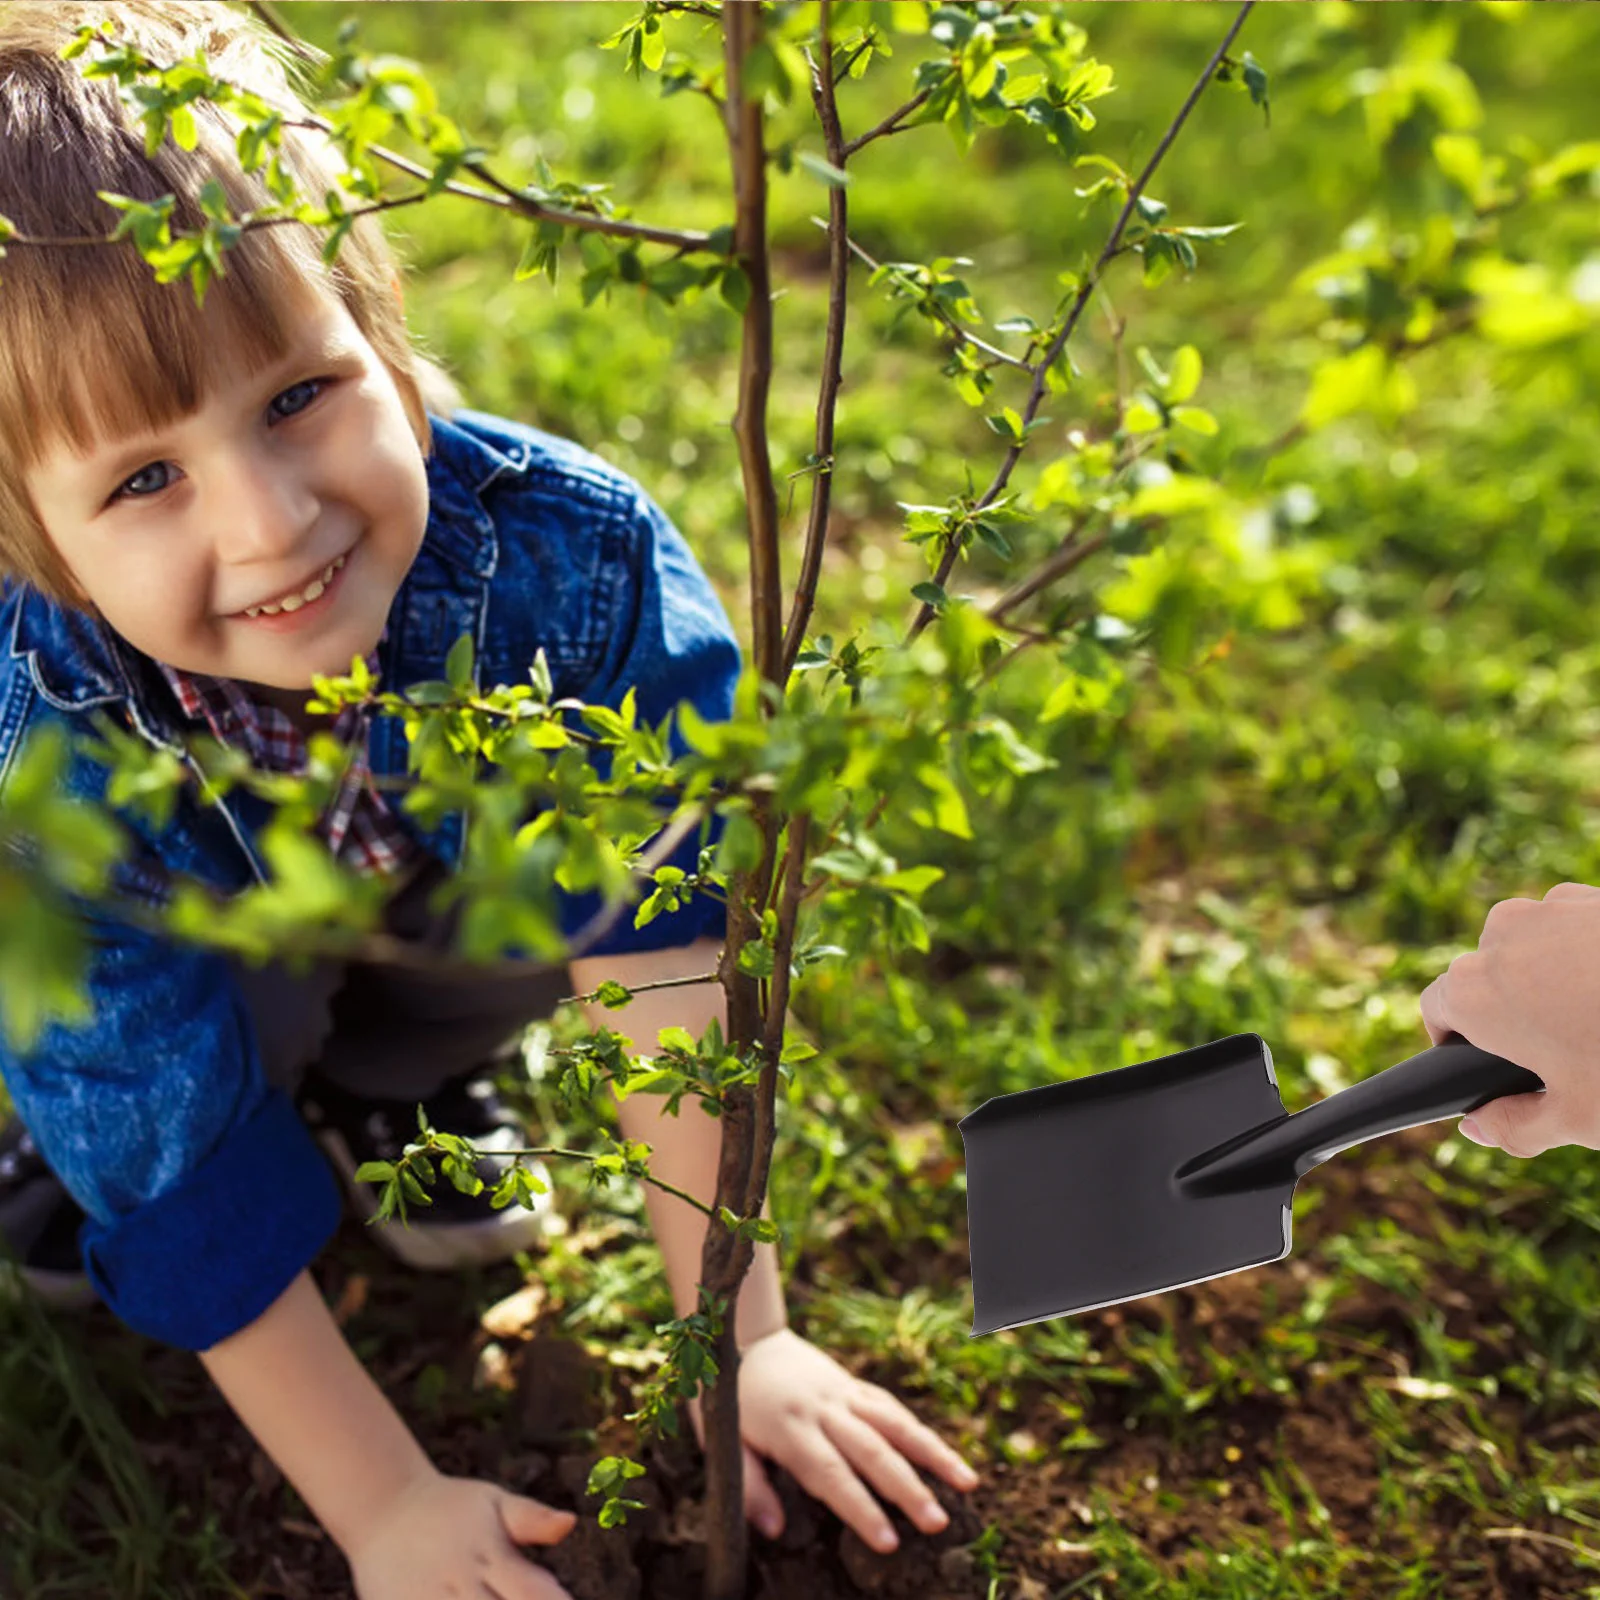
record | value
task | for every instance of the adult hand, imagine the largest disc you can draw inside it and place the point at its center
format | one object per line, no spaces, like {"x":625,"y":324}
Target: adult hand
{"x":799,"y":1407}
{"x":1531,"y":992}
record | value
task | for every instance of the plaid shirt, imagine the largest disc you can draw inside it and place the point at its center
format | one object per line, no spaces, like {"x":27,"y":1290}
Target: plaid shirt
{"x":359,"y":826}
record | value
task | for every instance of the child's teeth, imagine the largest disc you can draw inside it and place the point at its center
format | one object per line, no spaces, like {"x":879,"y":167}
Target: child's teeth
{"x":313,"y":591}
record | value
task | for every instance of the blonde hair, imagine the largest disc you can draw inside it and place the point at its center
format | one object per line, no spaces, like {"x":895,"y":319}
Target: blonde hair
{"x":67,"y":312}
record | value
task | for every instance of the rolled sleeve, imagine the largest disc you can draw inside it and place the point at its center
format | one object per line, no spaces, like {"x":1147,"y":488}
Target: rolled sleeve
{"x":205,"y":1193}
{"x":670,"y":639}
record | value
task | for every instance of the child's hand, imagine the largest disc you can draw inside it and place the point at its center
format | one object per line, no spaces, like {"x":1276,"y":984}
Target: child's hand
{"x":1531,"y":992}
{"x":458,"y":1536}
{"x":801,"y":1408}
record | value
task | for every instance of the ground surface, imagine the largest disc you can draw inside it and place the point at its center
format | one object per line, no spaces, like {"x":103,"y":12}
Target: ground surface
{"x":528,"y":1421}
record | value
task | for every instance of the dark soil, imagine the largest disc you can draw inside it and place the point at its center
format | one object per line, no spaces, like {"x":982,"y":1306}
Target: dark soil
{"x":540,"y":1425}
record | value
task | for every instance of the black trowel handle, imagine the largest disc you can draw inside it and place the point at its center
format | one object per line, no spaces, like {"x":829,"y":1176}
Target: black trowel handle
{"x":1448,"y":1080}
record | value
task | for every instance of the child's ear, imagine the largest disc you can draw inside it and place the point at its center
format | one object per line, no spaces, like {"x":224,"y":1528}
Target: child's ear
{"x":399,"y":292}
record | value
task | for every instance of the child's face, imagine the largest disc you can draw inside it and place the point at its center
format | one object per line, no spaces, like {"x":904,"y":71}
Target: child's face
{"x":246,"y":501}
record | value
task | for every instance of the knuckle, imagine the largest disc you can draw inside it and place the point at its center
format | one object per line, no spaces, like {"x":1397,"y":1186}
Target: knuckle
{"x":1563,"y":891}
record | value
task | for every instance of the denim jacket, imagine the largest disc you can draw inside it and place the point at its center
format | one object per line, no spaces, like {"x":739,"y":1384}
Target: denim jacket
{"x":204,"y":1192}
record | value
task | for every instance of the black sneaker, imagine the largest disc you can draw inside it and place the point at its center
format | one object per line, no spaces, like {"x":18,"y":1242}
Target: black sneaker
{"x":456,"y":1229}
{"x":39,"y":1224}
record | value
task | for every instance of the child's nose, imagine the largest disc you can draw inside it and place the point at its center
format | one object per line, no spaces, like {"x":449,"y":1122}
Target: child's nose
{"x":261,"y":510}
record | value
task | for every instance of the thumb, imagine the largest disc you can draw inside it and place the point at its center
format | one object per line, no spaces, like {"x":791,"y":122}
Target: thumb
{"x":1519,"y":1124}
{"x":761,"y":1503}
{"x":530,"y":1521}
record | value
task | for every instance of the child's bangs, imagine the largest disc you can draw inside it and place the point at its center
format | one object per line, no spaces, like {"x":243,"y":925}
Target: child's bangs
{"x":105,"y":352}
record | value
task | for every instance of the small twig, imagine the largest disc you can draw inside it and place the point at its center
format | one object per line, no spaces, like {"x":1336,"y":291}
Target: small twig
{"x":1069,"y":555}
{"x":890,"y":124}
{"x":805,"y":589}
{"x":850,"y":61}
{"x":944,"y":316}
{"x":925,"y":611}
{"x":640,"y":988}
{"x":77,"y":241}
{"x":507,"y":197}
{"x":429,"y":1145}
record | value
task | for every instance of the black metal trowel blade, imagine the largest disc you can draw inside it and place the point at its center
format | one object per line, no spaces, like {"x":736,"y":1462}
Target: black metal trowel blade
{"x":1070,"y":1203}
{"x":1166,"y":1173}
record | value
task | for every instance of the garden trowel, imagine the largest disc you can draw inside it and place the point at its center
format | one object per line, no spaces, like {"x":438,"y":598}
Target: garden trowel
{"x":1166,"y":1173}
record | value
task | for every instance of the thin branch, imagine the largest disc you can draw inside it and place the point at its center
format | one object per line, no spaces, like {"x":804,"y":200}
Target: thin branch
{"x":432,"y":1145}
{"x":890,"y":124}
{"x":925,"y":611}
{"x":602,"y":922}
{"x":778,"y":1000}
{"x":940,"y":312}
{"x":79,"y":240}
{"x":1069,"y":555}
{"x":507,"y":198}
{"x":746,"y":148}
{"x":639,"y":988}
{"x":805,"y":591}
{"x":849,"y":61}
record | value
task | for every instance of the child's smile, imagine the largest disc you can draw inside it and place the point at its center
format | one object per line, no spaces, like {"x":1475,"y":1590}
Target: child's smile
{"x":301,"y":606}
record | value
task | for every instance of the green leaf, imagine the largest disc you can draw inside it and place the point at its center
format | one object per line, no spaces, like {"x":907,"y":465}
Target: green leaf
{"x":1255,"y":80}
{"x":735,"y":287}
{"x":458,"y":666}
{"x":184,"y":133}
{"x":757,"y":960}
{"x":1185,"y":379}
{"x":652,"y":43}
{"x":825,"y":170}
{"x":1195,"y":418}
{"x":615,"y":1512}
{"x":1150,"y":209}
{"x":414,"y":1190}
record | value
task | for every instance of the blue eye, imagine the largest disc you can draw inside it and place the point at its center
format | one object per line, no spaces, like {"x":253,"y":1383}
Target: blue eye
{"x":315,"y":384}
{"x":154,"y":465}
{"x":308,"y":383}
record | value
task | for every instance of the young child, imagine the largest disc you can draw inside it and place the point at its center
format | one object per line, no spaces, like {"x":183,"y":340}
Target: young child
{"x":199,"y":509}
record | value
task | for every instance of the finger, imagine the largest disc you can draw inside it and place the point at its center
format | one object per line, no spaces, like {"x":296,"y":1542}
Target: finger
{"x":826,"y":1476}
{"x":1431,"y":1004}
{"x":911,"y":1436}
{"x":1454,"y":991}
{"x":523,"y":1582}
{"x":530,"y":1521}
{"x":1570,"y":891}
{"x":884,"y":1468}
{"x":762,"y":1505}
{"x":519,"y":1578}
{"x":1522,"y":1125}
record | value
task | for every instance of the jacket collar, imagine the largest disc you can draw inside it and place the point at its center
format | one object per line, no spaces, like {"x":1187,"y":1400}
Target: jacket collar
{"x":78,"y":662}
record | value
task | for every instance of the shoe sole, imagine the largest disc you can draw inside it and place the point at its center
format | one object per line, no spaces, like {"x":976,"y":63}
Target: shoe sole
{"x":443,"y":1247}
